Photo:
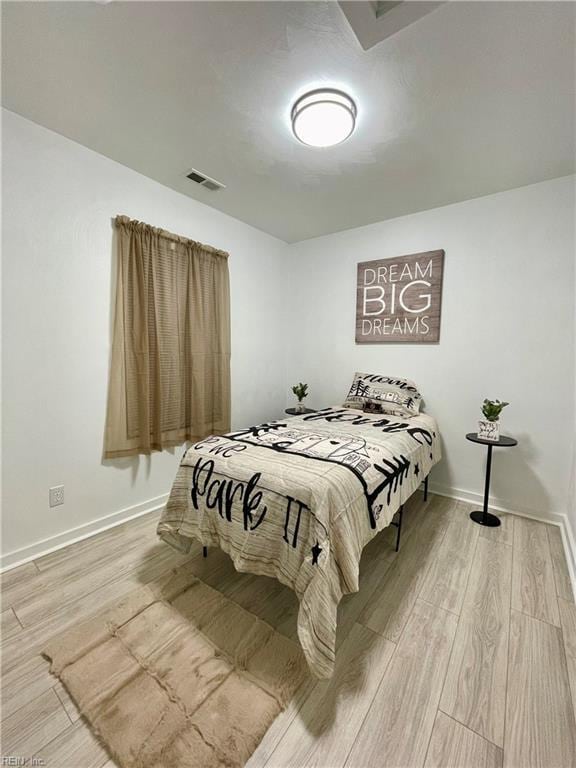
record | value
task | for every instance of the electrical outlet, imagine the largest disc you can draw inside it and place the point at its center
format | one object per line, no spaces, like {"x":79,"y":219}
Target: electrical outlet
{"x":56,"y":495}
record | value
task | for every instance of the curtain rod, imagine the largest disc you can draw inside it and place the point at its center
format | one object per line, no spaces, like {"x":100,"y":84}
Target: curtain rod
{"x":126,"y":221}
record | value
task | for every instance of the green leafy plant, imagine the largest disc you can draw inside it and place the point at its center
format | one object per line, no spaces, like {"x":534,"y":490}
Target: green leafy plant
{"x":300,"y":390}
{"x":492,"y":409}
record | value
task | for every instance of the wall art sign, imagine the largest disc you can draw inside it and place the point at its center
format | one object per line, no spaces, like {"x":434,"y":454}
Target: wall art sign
{"x":400,"y":300}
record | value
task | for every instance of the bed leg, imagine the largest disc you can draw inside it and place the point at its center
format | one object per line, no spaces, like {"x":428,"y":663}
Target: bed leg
{"x":426,"y":488}
{"x":400,"y":513}
{"x":205,"y":551}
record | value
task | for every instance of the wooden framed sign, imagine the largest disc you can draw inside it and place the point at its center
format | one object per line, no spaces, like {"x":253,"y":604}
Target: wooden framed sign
{"x":400,"y":300}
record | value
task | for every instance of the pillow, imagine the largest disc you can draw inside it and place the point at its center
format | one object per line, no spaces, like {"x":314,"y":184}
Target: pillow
{"x":398,"y":397}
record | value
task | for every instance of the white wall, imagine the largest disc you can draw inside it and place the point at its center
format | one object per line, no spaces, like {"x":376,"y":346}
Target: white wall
{"x":59,"y":200}
{"x":571,"y":503}
{"x":507,"y":331}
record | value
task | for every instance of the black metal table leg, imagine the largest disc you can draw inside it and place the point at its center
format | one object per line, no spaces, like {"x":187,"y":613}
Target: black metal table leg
{"x":484,"y":517}
{"x":426,"y":487}
{"x":205,"y":551}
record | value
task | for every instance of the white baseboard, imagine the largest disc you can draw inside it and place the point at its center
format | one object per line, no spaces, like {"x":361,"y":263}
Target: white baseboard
{"x":569,"y":550}
{"x":46,"y":546}
{"x":18,"y":557}
{"x":471,"y":497}
{"x":553,"y":518}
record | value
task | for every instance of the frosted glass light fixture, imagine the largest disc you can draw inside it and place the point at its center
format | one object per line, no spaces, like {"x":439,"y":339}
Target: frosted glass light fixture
{"x":323,"y":117}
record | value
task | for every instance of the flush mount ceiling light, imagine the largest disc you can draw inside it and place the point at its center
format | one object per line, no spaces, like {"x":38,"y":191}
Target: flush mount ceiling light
{"x":323,"y":117}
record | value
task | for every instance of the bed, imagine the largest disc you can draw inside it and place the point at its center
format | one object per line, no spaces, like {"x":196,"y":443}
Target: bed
{"x":298,"y":499}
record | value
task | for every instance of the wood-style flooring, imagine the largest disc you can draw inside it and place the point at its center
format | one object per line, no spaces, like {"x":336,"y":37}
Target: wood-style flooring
{"x":458,"y":652}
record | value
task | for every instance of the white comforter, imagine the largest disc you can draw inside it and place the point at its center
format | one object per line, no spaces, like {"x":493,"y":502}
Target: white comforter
{"x":298,"y":499}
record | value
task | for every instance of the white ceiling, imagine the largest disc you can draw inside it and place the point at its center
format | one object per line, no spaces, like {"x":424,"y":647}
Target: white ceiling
{"x":472,"y":99}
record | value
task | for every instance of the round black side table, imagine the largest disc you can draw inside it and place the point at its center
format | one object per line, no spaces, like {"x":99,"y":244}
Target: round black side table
{"x":294,"y":412}
{"x":484,"y":517}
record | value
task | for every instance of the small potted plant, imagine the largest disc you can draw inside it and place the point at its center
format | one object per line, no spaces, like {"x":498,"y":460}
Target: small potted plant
{"x":489,"y":427}
{"x":301,"y":391}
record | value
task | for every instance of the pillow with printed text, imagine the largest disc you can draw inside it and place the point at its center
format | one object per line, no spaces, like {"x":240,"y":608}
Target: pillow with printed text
{"x":398,"y":397}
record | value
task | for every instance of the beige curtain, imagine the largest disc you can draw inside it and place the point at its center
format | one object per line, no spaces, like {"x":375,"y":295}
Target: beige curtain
{"x":170,"y":367}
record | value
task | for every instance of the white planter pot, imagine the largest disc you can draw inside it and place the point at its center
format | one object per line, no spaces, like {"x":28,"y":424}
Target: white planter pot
{"x":299,"y":407}
{"x":489,"y":430}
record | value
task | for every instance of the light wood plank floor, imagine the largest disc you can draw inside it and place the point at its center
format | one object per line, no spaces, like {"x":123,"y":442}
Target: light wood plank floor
{"x":458,"y":652}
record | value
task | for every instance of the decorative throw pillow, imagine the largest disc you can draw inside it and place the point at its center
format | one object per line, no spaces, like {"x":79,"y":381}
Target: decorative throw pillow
{"x":398,"y":397}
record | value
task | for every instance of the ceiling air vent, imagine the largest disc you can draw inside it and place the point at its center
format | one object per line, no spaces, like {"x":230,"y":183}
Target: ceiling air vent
{"x":205,"y":181}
